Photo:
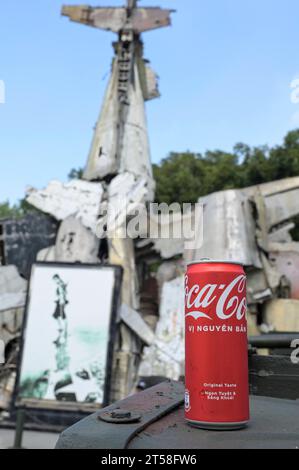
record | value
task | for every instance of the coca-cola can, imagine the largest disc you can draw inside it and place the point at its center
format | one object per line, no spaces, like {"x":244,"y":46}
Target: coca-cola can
{"x":216,"y":353}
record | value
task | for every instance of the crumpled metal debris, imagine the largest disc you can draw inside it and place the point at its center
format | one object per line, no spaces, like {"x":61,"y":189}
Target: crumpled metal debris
{"x":285,"y":258}
{"x":165,"y":357}
{"x":135,"y":322}
{"x":169,"y":270}
{"x":74,"y":244}
{"x":228,"y":229}
{"x":125,"y":194}
{"x":12,"y":302}
{"x":12,"y":288}
{"x":135,"y":152}
{"x":78,"y":198}
{"x":280,"y":199}
{"x":168,"y":232}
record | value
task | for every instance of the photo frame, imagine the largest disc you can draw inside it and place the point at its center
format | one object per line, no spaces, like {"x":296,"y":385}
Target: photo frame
{"x":68,"y":335}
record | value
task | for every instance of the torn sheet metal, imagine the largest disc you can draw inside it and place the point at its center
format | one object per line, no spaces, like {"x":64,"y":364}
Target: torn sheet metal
{"x":280,"y":197}
{"x":266,"y":283}
{"x":149,"y":81}
{"x":166,"y":355}
{"x":78,"y":198}
{"x":168,"y":232}
{"x":169,"y":248}
{"x":12,"y":288}
{"x":167,"y":227}
{"x":102,"y":159}
{"x":11,"y":321}
{"x":258,"y":289}
{"x":228,"y":229}
{"x":10,"y":329}
{"x":115,"y":19}
{"x":281,"y":234}
{"x":273,"y":187}
{"x":134,"y":151}
{"x":168,"y":271}
{"x":76,"y":243}
{"x":272,"y":275}
{"x":125,"y":194}
{"x":7,"y":386}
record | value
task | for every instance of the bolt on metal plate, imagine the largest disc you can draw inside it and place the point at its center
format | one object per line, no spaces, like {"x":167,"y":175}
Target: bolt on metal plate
{"x":120,"y":416}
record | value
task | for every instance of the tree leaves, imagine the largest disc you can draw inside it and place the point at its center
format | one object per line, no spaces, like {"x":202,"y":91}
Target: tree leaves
{"x":184,"y":177}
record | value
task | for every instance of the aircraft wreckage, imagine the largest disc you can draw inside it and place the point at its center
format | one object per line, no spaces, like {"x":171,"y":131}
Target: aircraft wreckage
{"x":252,"y":225}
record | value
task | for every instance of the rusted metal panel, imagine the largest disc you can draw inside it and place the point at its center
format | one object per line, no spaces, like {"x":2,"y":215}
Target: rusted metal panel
{"x":274,"y":424}
{"x":93,"y":433}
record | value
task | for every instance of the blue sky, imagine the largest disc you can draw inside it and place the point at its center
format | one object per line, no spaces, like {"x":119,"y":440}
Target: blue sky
{"x":225,"y":70}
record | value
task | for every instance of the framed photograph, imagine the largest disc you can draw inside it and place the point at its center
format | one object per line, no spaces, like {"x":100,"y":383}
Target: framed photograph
{"x":68,"y":335}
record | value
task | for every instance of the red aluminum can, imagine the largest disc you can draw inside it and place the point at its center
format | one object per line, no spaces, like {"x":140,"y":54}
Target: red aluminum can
{"x":216,"y":358}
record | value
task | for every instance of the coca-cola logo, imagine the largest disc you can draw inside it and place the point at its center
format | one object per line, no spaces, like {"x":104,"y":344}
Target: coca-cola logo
{"x":228,"y":299}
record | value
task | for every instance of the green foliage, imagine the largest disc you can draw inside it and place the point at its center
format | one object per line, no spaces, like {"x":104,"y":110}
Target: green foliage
{"x":184,"y":177}
{"x":75,"y":173}
{"x":8,"y":211}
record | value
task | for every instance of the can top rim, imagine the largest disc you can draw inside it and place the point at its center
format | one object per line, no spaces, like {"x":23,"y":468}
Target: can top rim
{"x":214,"y":261}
